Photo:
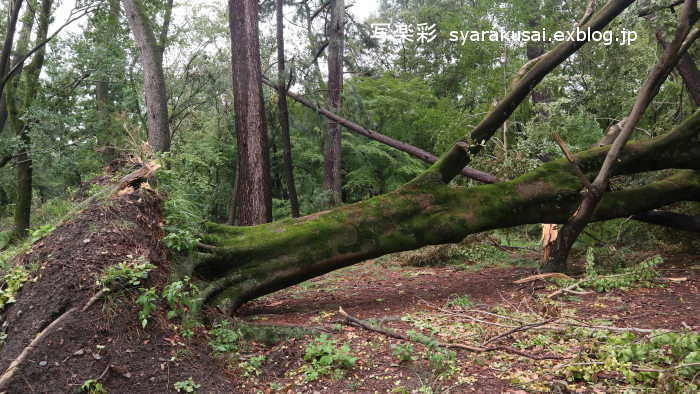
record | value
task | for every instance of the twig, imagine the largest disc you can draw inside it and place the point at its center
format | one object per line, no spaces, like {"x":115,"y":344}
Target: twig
{"x":533,"y":278}
{"x":470,"y":348}
{"x":562,"y":145}
{"x":568,"y":288}
{"x":522,"y":328}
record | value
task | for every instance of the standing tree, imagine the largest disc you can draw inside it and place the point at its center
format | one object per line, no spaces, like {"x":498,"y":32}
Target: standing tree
{"x":332,"y":180}
{"x":283,"y":113}
{"x":151,"y":53}
{"x":20,"y":97}
{"x":252,"y":201}
{"x":12,"y":17}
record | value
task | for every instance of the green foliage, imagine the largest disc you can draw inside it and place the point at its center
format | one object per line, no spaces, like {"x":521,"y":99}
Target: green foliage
{"x":326,"y":357}
{"x":442,"y":361}
{"x":403,"y":352}
{"x":39,"y":233}
{"x":187,"y":187}
{"x":93,"y":386}
{"x":640,"y":274}
{"x":461,"y":301}
{"x":129,"y":273}
{"x":223,"y":338}
{"x":669,"y":359}
{"x":13,"y":280}
{"x":147,"y":300}
{"x":251,"y":367}
{"x":180,"y":296}
{"x":186,"y":386}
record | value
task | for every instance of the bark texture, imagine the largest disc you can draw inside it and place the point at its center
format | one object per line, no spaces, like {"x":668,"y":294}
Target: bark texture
{"x":332,"y":144}
{"x":253,"y":200}
{"x":687,"y":69}
{"x":151,"y":56}
{"x":283,"y":113}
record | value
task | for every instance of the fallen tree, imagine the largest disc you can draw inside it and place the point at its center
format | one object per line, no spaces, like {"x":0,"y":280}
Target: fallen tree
{"x":242,"y":263}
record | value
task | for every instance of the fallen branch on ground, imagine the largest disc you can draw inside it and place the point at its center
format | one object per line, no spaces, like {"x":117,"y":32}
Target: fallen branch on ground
{"x":350,"y":320}
{"x":10,"y":371}
{"x":522,"y":328}
{"x":542,"y":276}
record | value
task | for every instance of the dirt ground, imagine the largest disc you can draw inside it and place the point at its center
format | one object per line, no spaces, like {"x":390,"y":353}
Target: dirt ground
{"x":403,"y":297}
{"x":106,"y":342}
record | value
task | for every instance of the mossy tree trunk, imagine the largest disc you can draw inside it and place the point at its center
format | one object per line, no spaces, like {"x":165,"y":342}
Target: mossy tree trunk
{"x":238,"y":263}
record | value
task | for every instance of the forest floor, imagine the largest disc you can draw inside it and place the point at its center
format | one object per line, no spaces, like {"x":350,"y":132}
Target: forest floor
{"x":452,"y":305}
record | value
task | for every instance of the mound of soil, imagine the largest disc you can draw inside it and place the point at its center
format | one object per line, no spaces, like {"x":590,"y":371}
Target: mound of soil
{"x":106,"y":341}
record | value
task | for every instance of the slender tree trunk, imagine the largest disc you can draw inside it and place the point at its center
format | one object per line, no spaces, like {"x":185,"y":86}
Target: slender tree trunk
{"x":254,"y":197}
{"x":15,"y":6}
{"x":23,"y":158}
{"x":332,"y":144}
{"x":283,"y":113}
{"x":8,"y":43}
{"x":107,"y":129}
{"x":688,"y":70}
{"x":151,"y":54}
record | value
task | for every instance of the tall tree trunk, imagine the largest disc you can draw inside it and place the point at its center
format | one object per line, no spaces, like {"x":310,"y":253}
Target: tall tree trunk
{"x":283,"y":113}
{"x":253,"y":197}
{"x":151,"y":55}
{"x":107,"y":127}
{"x":23,"y":158}
{"x":332,"y":144}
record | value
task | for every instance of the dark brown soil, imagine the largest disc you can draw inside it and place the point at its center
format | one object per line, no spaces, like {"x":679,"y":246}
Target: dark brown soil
{"x":106,"y":340}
